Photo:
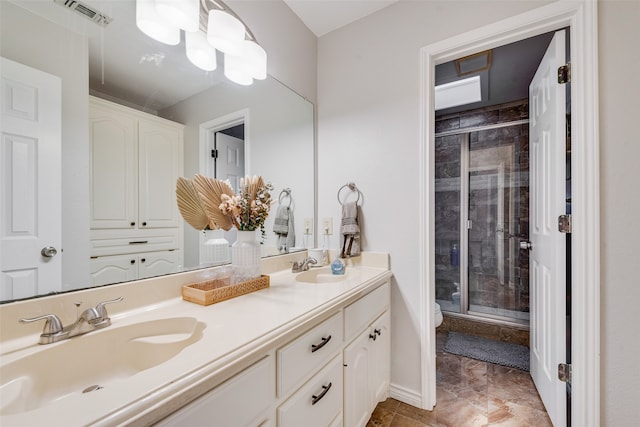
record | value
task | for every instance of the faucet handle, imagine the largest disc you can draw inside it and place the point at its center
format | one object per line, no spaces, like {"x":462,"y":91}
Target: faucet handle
{"x":52,"y":326}
{"x":102,"y":310}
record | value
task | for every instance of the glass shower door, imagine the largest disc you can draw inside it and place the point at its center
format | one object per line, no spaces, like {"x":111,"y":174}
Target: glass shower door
{"x":498,"y":199}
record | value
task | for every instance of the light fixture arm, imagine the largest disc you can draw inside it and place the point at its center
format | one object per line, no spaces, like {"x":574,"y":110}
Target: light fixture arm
{"x":208,"y":5}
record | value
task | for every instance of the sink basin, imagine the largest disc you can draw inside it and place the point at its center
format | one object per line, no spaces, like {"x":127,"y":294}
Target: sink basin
{"x":320,"y":275}
{"x":90,"y":362}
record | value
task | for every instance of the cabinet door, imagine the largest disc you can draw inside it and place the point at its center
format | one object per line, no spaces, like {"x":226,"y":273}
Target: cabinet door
{"x":357,"y":371}
{"x":153,"y":264}
{"x":160,"y":165}
{"x":114,"y":269}
{"x":113,"y":168}
{"x":381,"y":359}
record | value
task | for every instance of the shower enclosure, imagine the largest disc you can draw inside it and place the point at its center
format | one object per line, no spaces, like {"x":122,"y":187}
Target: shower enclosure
{"x":481,"y":216}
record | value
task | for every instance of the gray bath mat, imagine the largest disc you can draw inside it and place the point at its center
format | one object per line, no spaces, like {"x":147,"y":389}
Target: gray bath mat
{"x":498,"y":352}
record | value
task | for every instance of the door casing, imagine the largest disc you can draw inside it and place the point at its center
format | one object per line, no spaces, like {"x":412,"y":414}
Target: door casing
{"x":581,"y":19}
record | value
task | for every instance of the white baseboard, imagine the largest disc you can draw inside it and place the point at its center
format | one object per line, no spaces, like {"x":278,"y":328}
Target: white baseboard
{"x":410,"y":397}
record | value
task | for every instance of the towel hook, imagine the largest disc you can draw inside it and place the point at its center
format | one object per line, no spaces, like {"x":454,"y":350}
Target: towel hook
{"x":351,"y":186}
{"x":286,"y":192}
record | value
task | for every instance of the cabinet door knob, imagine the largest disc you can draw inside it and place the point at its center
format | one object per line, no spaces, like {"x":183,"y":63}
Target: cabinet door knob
{"x":133,"y":223}
{"x":373,"y":337}
{"x":377,"y":332}
{"x":144,"y":224}
{"x":316,"y":347}
{"x":315,"y":399}
{"x":133,"y":261}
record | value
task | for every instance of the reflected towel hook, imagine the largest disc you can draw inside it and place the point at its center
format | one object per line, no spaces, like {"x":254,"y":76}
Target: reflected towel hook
{"x":286,"y":192}
{"x":351,"y":186}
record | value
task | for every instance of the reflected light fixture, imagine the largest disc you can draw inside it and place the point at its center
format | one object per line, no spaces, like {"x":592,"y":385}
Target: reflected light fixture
{"x":184,"y":14}
{"x":155,"y":26}
{"x":199,"y":51}
{"x":210,"y":26}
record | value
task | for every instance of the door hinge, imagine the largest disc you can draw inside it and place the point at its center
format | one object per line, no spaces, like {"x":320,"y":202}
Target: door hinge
{"x":564,"y":372}
{"x":564,"y":74}
{"x":214,"y":153}
{"x":564,"y":223}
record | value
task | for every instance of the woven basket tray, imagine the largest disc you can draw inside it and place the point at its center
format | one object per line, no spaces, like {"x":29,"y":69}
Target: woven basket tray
{"x":213,"y":291}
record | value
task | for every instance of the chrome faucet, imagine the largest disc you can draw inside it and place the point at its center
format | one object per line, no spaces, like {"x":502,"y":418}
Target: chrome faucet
{"x":91,"y":319}
{"x":303,"y":265}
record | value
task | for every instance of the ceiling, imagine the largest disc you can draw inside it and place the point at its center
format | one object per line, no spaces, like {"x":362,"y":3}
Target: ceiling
{"x":324,"y":16}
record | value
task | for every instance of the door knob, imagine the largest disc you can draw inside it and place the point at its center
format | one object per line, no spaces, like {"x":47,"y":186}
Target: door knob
{"x":49,"y":252}
{"x":525,"y":244}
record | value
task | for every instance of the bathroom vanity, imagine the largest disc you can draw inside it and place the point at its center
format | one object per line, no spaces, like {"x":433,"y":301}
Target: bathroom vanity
{"x":312,"y":349}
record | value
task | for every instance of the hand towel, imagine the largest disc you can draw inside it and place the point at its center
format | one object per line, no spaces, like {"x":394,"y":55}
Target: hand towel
{"x":283,"y":226}
{"x":350,"y":230}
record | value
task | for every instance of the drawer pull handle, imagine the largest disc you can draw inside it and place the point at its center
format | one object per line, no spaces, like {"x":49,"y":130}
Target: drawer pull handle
{"x":377,"y":332}
{"x":138,"y":242}
{"x":373,"y":337}
{"x":316,"y":347}
{"x":315,"y":399}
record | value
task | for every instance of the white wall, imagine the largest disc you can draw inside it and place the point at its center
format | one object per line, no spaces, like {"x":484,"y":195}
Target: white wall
{"x":368,"y":98}
{"x":620,"y":204}
{"x":40,"y":44}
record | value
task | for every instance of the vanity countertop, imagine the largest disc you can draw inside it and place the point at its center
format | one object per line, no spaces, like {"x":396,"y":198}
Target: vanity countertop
{"x":232,"y":330}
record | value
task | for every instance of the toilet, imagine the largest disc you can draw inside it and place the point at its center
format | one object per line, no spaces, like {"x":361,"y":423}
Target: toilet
{"x":438,"y":315}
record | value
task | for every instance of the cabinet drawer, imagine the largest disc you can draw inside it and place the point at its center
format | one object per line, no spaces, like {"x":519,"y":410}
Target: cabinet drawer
{"x":298,"y":359}
{"x":318,"y":402}
{"x":361,"y":313}
{"x":239,"y":401}
{"x":134,"y":241}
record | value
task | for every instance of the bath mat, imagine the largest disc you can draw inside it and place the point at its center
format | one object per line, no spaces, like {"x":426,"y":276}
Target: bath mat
{"x":498,"y":352}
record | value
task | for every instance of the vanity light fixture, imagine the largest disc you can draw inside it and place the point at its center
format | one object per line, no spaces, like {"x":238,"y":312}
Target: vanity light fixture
{"x":214,"y":27}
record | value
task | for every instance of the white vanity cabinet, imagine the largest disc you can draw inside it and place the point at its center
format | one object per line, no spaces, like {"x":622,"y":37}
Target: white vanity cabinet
{"x":330,"y":375}
{"x":136,"y":159}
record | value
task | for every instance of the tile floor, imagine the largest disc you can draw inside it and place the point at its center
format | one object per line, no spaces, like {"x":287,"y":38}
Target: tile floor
{"x":470,"y":393}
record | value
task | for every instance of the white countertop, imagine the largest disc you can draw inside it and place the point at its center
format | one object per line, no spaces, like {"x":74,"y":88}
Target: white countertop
{"x":234,"y":329}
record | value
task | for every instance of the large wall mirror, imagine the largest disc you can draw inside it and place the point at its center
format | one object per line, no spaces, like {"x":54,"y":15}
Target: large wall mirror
{"x":119,"y":64}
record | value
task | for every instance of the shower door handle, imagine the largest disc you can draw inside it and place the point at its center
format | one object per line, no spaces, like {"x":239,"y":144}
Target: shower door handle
{"x":525,"y":244}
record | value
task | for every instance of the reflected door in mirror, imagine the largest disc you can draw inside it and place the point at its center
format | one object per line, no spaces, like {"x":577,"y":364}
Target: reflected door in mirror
{"x":30,"y":188}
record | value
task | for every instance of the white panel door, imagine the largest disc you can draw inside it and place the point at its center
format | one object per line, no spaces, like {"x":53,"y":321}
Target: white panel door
{"x":30,"y":181}
{"x":547,"y":258}
{"x":230,"y":162}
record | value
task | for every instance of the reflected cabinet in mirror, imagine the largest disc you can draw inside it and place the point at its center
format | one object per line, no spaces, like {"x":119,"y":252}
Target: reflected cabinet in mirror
{"x":99,"y":121}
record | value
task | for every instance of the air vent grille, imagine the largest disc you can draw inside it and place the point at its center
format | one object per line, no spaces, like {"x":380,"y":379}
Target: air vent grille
{"x":86,"y":11}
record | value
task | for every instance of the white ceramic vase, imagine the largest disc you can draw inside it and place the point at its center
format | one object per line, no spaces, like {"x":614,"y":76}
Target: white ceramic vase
{"x":245,"y":256}
{"x":215,"y":248}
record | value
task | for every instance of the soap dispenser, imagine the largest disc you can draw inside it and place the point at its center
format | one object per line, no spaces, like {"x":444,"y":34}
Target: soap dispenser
{"x":337,"y":266}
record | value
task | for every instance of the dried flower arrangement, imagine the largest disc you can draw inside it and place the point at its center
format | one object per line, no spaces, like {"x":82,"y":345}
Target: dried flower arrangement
{"x":209,"y":203}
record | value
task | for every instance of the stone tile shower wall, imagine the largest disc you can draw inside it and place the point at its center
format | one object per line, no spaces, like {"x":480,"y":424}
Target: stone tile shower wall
{"x":486,"y":288}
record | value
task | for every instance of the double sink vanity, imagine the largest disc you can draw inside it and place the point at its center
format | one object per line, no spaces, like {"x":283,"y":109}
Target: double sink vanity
{"x":310,"y":350}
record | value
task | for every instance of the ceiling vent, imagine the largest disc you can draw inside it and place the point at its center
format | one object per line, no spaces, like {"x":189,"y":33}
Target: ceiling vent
{"x":87,"y":11}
